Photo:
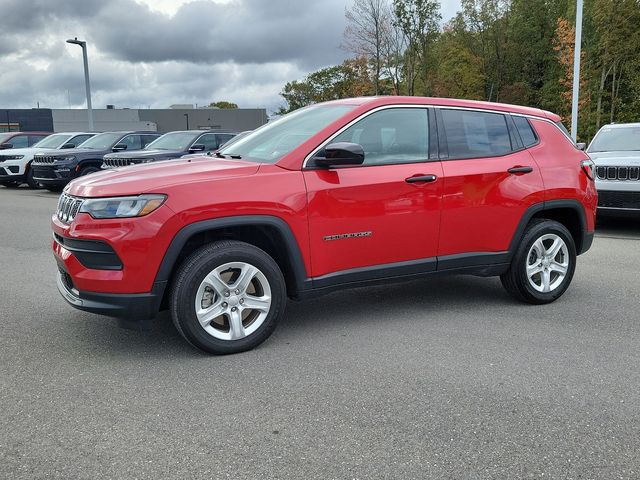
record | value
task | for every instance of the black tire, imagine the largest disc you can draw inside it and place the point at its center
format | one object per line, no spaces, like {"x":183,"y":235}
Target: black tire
{"x":190,"y":275}
{"x":10,"y":184}
{"x":516,"y":281}
{"x":30,"y":181}
{"x":88,"y":170}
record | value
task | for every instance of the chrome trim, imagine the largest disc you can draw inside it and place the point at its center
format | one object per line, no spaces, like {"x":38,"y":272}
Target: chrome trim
{"x":68,"y":207}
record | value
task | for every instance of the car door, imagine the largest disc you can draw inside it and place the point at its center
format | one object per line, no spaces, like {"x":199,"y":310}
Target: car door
{"x":383,"y":214}
{"x":490,"y":180}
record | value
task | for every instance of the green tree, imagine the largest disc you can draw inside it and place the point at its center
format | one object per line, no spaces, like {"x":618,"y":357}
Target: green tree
{"x":223,"y":104}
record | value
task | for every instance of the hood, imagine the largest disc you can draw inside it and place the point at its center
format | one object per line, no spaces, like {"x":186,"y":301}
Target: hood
{"x":146,"y":154}
{"x":155,"y":177}
{"x":77,"y":152}
{"x":622,"y":158}
{"x":27,"y":151}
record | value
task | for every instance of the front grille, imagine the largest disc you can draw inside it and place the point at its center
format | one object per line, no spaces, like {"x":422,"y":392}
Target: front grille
{"x":68,"y":208}
{"x":618,"y":173}
{"x":44,"y":173}
{"x":3,"y":171}
{"x":43,"y":159}
{"x":625,"y":200}
{"x":118,"y":162}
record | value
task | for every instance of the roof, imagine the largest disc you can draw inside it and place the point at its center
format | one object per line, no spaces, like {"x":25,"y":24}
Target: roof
{"x":621,"y":125}
{"x":374,"y":102}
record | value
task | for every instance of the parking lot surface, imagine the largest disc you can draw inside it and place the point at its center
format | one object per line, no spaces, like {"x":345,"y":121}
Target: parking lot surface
{"x":440,"y":378}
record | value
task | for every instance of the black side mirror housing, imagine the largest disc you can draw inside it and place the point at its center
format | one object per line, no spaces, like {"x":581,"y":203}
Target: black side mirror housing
{"x":119,"y":148}
{"x":340,"y":154}
{"x":4,"y":146}
{"x":198,"y":147}
{"x":67,"y":145}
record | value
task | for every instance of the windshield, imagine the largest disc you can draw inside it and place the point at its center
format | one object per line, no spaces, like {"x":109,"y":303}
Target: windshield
{"x":173,"y":141}
{"x":52,"y":141}
{"x":616,"y":139}
{"x":274,"y":140}
{"x":102,"y":141}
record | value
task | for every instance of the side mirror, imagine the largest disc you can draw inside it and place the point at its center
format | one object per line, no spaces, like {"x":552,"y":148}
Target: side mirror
{"x":581,"y":146}
{"x":119,"y":148}
{"x":198,"y":147}
{"x":4,"y":146}
{"x":67,"y":145}
{"x":339,"y":154}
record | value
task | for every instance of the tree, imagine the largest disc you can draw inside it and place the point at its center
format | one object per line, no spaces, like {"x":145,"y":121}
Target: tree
{"x":223,"y":104}
{"x":367,"y":25}
{"x":419,"y":21}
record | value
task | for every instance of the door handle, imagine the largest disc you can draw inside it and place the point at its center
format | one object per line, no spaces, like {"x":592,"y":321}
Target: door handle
{"x":421,"y":178}
{"x":520,"y":170}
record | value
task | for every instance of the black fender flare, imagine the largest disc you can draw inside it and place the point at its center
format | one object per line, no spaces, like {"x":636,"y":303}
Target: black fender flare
{"x":294,"y":256}
{"x":583,"y":243}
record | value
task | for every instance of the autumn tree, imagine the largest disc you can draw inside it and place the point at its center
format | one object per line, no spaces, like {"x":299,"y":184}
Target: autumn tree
{"x":223,"y":104}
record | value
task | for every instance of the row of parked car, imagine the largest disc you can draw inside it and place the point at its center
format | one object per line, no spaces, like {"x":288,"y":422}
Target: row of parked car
{"x":56,"y":159}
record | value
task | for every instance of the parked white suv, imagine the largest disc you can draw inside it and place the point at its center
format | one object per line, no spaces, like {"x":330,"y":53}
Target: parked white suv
{"x":615,"y":150}
{"x":15,"y":164}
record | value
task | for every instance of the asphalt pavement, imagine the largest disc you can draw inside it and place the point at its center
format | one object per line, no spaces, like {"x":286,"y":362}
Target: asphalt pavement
{"x":440,"y":378}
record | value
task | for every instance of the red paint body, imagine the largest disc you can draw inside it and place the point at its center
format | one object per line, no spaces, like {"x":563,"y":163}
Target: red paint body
{"x":474,"y":206}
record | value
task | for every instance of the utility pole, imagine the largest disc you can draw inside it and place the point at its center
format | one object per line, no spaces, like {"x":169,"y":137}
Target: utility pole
{"x":576,"y":72}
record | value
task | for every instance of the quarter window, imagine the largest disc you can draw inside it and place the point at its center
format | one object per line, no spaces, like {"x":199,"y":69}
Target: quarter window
{"x":394,"y":135}
{"x":476,"y":134}
{"x":527,"y":134}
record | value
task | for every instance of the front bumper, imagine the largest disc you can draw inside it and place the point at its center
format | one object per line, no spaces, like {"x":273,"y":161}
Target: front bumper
{"x":53,"y":175}
{"x":11,"y":170}
{"x":619,"y":200}
{"x":128,"y":306}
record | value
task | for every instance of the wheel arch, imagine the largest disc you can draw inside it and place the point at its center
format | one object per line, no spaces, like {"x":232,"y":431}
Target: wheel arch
{"x":269,"y":233}
{"x":568,"y":212}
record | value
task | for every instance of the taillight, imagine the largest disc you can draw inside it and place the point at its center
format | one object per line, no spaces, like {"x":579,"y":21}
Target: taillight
{"x":588,"y":167}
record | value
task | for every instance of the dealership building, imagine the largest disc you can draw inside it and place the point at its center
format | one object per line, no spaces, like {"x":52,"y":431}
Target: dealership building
{"x":178,"y":117}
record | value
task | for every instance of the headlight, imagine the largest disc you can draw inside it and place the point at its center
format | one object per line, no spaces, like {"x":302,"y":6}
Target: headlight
{"x":122,"y":207}
{"x":13,"y":157}
{"x":147,"y":160}
{"x":66,"y":158}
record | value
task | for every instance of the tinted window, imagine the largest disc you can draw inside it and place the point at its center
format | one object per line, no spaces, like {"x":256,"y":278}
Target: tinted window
{"x":19,"y":142}
{"x":78,"y":139}
{"x":147,"y":139}
{"x":173,"y":141}
{"x":33,"y":139}
{"x":209,"y":141}
{"x":133,"y":142}
{"x":103,"y":141}
{"x":527,"y":134}
{"x":395,"y":135}
{"x":476,"y":134}
{"x":223,"y":138}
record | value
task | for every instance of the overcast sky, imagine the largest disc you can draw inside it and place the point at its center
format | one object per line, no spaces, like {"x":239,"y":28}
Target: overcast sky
{"x":159,"y":52}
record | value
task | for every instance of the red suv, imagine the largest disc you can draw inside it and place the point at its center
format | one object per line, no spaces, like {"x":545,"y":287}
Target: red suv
{"x":335,"y":195}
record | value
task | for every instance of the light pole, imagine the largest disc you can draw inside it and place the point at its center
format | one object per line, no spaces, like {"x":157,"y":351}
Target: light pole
{"x":576,"y":71}
{"x":87,"y":84}
{"x":186,"y":115}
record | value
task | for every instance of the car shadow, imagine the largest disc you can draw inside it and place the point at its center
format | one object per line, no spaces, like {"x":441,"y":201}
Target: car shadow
{"x":619,"y":225}
{"x":366,"y":306}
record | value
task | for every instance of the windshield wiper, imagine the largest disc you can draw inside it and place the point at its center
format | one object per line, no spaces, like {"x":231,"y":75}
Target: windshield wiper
{"x":230,"y":155}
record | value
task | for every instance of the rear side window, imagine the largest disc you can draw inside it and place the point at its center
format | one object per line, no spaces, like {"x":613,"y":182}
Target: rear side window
{"x":476,"y":134}
{"x":525,"y":130}
{"x":21,"y":141}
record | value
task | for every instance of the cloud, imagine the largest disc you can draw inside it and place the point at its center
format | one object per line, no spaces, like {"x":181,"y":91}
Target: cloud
{"x":156,"y":53}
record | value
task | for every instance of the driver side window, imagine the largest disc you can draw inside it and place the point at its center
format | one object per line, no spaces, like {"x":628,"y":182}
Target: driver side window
{"x":391,"y":136}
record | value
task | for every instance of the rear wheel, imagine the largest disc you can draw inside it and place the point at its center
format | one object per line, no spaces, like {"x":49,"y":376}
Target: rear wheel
{"x":227,"y":297}
{"x":543,"y":265}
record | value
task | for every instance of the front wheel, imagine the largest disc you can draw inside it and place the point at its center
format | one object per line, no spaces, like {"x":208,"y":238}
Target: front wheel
{"x":543,"y":265}
{"x":88,"y":170}
{"x":30,"y":181}
{"x":227,"y":297}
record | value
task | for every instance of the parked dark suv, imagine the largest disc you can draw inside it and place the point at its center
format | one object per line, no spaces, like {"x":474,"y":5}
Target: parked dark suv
{"x":54,"y":170}
{"x":171,"y":145}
